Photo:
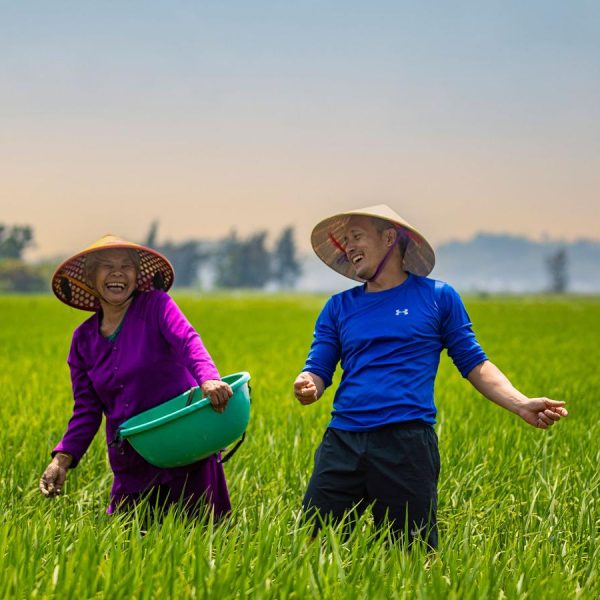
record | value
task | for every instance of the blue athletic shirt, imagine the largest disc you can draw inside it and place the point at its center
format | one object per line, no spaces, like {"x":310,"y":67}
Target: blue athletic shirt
{"x":389,"y":345}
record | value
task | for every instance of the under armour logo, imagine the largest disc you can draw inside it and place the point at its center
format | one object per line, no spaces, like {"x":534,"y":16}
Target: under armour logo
{"x":401,"y":312}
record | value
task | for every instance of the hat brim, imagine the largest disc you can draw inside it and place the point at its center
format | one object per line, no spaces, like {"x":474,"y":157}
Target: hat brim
{"x":70,"y":285}
{"x":419,"y":257}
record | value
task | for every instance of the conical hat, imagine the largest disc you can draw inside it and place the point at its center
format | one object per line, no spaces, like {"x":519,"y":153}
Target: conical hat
{"x":70,"y":285}
{"x":419,"y":257}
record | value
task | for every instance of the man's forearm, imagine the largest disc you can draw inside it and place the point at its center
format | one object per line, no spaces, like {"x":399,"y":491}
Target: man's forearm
{"x":488,"y":380}
{"x":318,"y":381}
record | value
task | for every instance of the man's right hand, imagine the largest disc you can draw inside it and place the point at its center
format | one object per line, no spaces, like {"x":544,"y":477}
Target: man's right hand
{"x":308,"y":388}
{"x":55,"y":474}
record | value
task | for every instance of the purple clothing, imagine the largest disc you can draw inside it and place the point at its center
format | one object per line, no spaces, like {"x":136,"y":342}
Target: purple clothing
{"x":156,"y":356}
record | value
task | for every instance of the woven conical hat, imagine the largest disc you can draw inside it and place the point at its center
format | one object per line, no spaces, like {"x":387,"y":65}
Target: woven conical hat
{"x":419,"y":257}
{"x":70,"y":285}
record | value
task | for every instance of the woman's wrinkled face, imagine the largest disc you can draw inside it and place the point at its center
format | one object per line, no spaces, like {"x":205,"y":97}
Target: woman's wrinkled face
{"x":115,"y":277}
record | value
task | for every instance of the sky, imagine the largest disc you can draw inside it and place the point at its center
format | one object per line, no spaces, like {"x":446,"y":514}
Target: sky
{"x":210,"y":117}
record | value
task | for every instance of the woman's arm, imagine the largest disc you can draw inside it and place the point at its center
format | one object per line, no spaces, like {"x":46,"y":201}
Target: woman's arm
{"x":186,"y":342}
{"x":86,"y":417}
{"x":82,"y":427}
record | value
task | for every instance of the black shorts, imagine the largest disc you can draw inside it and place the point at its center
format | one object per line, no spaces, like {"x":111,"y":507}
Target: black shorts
{"x":395,"y":468}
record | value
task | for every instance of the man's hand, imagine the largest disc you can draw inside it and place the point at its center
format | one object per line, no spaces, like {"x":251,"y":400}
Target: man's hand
{"x":218,"y":392}
{"x":55,"y":474}
{"x":494,"y":385}
{"x":308,"y":388}
{"x":542,"y":412}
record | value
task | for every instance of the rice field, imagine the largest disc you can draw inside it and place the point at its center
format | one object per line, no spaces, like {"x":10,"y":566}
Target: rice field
{"x":519,"y":507}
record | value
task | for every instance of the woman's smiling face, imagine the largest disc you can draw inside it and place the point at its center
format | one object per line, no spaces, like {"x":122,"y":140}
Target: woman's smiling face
{"x":115,"y":276}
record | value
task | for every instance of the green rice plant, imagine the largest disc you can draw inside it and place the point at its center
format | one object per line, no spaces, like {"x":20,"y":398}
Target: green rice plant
{"x":519,"y":514}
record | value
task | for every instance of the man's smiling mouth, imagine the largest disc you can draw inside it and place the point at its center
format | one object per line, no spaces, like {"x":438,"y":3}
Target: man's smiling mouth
{"x":116,"y":286}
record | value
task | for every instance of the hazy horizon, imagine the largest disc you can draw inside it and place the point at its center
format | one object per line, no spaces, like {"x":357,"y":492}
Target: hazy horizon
{"x":463,"y":117}
{"x":36,"y":254}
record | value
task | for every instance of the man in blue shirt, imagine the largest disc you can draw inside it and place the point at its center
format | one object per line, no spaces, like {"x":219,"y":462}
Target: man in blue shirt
{"x":380,"y":447}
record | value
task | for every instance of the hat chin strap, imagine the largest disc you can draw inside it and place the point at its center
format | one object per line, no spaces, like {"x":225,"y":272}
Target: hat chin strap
{"x":384,"y":260}
{"x":81,"y":284}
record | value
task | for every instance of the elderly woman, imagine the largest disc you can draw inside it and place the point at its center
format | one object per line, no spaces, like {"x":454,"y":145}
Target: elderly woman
{"x":136,"y":351}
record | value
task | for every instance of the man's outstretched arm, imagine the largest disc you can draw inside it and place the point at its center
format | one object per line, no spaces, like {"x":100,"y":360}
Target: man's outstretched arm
{"x":487,"y":379}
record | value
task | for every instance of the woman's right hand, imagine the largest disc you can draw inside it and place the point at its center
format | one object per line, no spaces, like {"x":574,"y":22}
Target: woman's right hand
{"x":55,"y":474}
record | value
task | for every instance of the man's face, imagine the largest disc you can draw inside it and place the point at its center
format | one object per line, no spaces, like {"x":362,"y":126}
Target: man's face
{"x":116,"y":276}
{"x":365,"y":246}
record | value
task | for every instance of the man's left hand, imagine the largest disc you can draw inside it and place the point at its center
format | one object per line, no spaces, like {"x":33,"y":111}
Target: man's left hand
{"x":542,"y":412}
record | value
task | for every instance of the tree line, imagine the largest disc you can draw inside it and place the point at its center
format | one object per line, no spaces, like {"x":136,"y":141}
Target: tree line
{"x":233,"y":262}
{"x":229,"y":263}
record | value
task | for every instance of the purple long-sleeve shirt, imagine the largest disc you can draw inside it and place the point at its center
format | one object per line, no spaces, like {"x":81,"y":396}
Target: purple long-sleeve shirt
{"x":157,"y":355}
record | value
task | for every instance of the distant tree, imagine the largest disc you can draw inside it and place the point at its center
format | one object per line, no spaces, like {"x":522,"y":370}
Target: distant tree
{"x":257,"y":259}
{"x":14,"y":240}
{"x":242,"y":263}
{"x":229,"y":262}
{"x":285,"y":266}
{"x":152,"y":237}
{"x":557,"y":265}
{"x":186,"y":257}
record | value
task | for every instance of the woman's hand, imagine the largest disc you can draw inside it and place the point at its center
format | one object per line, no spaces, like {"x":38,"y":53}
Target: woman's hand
{"x":218,"y":393}
{"x":55,"y":474}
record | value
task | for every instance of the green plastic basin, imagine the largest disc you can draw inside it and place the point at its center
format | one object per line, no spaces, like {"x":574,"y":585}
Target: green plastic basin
{"x":187,"y":429}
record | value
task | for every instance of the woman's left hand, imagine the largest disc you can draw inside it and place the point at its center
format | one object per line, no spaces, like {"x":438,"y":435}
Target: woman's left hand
{"x":218,"y":392}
